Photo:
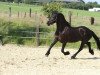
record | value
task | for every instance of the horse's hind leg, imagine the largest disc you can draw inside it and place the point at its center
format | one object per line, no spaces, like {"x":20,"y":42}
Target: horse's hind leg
{"x":89,"y":46}
{"x":62,"y":50}
{"x":81,"y":47}
{"x":54,"y":42}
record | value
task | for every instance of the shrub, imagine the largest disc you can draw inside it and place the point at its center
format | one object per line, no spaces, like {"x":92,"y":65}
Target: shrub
{"x":50,"y":7}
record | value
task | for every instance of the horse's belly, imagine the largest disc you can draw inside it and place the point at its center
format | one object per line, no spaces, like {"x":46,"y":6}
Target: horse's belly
{"x":70,"y":39}
{"x":73,"y":40}
{"x":62,"y":39}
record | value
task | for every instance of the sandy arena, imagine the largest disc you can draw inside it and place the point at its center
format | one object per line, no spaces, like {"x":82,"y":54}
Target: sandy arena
{"x":23,"y":60}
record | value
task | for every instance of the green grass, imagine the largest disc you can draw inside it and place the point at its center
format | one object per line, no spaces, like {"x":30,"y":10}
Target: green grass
{"x":79,"y":17}
{"x":4,"y":7}
{"x":82,"y":13}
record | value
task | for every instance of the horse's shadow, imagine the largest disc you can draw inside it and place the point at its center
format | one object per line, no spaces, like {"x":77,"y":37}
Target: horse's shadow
{"x":92,"y":58}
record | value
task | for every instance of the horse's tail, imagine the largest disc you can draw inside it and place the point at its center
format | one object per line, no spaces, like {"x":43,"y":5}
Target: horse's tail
{"x":96,"y":40}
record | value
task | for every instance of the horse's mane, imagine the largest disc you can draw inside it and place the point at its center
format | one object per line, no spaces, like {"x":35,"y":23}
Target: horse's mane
{"x":63,"y":20}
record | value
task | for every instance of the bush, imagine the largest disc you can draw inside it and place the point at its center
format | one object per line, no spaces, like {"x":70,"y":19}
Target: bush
{"x":50,"y":7}
{"x":4,"y":27}
{"x":15,"y":31}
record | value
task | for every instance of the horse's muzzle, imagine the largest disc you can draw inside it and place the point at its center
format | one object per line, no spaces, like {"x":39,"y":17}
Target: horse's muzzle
{"x":48,"y":23}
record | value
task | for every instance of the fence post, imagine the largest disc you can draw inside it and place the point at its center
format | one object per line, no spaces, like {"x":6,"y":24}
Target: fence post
{"x":77,"y":14}
{"x":9,"y":11}
{"x":25,"y":15}
{"x":18,"y":14}
{"x":92,"y":20}
{"x":30,"y":12}
{"x":70,"y":15}
{"x":37,"y":30}
{"x":37,"y":36}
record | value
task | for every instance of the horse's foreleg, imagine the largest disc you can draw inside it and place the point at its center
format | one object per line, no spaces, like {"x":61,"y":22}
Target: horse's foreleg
{"x":62,"y":50}
{"x":89,"y":46}
{"x":54,"y":42}
{"x":81,"y":47}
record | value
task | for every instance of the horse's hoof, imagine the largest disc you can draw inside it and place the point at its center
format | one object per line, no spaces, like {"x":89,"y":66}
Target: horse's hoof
{"x":46,"y":54}
{"x":72,"y":57}
{"x":92,"y":52}
{"x":67,"y":53}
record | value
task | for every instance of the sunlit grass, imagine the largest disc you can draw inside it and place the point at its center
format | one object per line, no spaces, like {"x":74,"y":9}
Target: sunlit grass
{"x":79,"y":18}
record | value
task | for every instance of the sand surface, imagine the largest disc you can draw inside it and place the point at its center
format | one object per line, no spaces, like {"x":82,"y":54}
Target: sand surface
{"x":22,"y":60}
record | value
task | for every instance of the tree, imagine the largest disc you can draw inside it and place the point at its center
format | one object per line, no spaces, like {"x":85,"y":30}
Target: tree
{"x":17,"y":1}
{"x":82,"y":1}
{"x":50,"y":7}
{"x":29,"y":1}
{"x":10,"y":0}
{"x":2,"y":0}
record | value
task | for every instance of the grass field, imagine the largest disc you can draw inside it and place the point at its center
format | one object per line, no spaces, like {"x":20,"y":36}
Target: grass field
{"x":79,"y":18}
{"x":84,"y":13}
{"x":4,"y":7}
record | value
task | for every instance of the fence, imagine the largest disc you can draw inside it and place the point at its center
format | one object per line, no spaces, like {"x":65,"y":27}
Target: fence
{"x":37,"y":37}
{"x":10,"y":12}
{"x":39,"y":19}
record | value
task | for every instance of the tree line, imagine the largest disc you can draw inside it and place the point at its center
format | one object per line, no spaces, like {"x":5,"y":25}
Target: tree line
{"x":20,"y":1}
{"x":81,"y":6}
{"x":73,"y":5}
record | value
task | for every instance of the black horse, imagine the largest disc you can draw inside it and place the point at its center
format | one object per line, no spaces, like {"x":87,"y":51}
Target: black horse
{"x":67,"y":34}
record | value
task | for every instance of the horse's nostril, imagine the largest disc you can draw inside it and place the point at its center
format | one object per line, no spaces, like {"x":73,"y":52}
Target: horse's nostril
{"x":48,"y":23}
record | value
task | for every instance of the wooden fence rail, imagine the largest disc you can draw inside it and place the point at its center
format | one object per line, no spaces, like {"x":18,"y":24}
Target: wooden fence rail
{"x":37,"y":36}
{"x":36,"y":18}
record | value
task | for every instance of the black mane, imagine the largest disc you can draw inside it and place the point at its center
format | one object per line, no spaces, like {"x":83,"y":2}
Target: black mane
{"x":62,"y":20}
{"x":61,"y":23}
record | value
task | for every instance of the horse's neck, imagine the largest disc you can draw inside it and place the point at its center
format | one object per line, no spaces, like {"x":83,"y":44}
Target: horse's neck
{"x":61,"y":25}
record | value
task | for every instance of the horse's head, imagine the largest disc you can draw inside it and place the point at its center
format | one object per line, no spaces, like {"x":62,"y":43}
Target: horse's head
{"x":52,"y":18}
{"x":56,"y":17}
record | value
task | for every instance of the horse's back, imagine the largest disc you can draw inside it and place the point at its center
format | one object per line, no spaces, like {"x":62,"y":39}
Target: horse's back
{"x":84,"y":32}
{"x":69,"y":35}
{"x":74,"y":34}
